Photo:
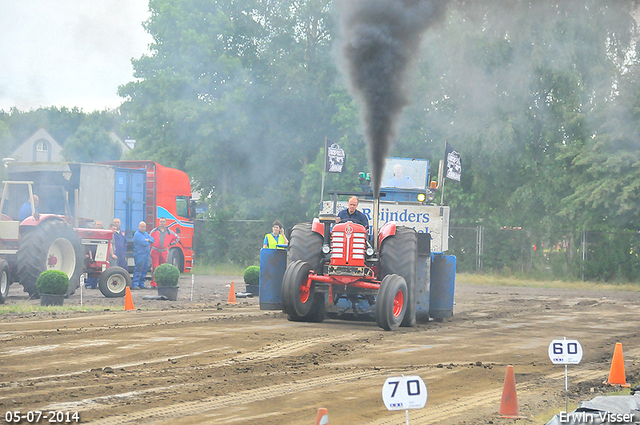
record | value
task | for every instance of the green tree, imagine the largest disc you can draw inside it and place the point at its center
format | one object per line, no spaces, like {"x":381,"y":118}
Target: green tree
{"x":237,"y":94}
{"x":90,"y":144}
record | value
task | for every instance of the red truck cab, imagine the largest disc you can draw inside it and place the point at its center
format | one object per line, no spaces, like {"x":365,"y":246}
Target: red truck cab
{"x":168,"y":195}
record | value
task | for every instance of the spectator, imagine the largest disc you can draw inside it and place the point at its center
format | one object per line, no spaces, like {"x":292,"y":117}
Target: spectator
{"x":164,"y":238}
{"x":92,"y":282}
{"x":141,"y":243}
{"x":25,"y":209}
{"x":119,"y":251}
{"x":276,"y":237}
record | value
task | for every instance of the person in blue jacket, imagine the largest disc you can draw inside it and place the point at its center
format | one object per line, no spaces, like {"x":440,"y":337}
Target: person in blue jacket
{"x":119,"y":254}
{"x":25,"y":209}
{"x":141,"y":254}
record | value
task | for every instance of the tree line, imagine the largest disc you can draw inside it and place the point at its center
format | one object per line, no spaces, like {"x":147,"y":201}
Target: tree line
{"x":540,"y":98}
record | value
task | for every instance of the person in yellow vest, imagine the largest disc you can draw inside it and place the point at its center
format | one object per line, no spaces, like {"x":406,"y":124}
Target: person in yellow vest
{"x":276,"y":237}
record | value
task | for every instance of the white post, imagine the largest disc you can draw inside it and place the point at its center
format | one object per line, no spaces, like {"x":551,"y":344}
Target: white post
{"x":193,"y":278}
{"x":566,"y":386}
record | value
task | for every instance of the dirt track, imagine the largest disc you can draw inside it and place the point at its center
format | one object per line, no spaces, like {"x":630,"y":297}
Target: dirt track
{"x":204,"y":361}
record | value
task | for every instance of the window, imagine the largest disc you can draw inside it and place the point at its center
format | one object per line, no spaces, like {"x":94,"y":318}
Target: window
{"x":42,"y":147}
{"x":182,"y":206}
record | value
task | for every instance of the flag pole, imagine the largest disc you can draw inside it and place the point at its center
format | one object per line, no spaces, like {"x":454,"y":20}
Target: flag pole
{"x":324,"y":171}
{"x":444,"y":179}
{"x":442,"y":193}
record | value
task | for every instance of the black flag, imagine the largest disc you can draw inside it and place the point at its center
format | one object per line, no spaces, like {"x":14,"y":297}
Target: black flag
{"x":335,"y":157}
{"x":454,"y":163}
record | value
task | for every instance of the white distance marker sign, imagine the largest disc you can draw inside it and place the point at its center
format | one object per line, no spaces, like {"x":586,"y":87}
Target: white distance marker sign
{"x":404,"y":392}
{"x":565,"y":351}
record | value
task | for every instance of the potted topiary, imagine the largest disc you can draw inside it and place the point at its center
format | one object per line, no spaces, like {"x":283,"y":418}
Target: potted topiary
{"x":252,"y":280}
{"x":166,"y":276}
{"x":52,"y":286}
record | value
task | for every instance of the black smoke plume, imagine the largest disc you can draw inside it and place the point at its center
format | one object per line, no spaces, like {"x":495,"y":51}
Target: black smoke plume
{"x":379,"y":40}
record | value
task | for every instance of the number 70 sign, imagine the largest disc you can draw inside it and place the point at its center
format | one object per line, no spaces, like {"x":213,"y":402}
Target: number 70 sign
{"x":404,"y":392}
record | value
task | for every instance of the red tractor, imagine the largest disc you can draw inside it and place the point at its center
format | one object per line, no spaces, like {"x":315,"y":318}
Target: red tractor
{"x":48,"y":242}
{"x":328,"y":262}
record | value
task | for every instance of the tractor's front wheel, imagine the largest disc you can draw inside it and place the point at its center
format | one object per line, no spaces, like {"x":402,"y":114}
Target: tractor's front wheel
{"x":391,"y":303}
{"x":5,"y":281}
{"x":114,"y":281}
{"x":299,"y":301}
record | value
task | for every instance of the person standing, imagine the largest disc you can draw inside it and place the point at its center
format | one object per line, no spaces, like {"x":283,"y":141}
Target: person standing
{"x":164,"y":239}
{"x":276,"y":237}
{"x":119,"y":252}
{"x":92,"y":282}
{"x":141,"y":243}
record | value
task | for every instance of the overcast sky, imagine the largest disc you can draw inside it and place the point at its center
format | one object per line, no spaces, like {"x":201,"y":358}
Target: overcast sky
{"x":68,"y":52}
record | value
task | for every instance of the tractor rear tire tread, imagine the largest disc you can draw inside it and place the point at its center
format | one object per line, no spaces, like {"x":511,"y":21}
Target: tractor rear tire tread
{"x":306,"y":245}
{"x":398,"y":255}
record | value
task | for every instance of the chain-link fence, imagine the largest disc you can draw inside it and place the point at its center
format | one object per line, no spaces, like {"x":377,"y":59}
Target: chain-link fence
{"x":230,"y":241}
{"x":588,"y":255}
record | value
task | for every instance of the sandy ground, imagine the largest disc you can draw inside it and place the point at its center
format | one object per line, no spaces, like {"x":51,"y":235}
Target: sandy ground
{"x":201,"y":360}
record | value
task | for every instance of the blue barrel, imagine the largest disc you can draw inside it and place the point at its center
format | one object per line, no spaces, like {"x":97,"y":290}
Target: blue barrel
{"x":443,"y":282}
{"x":422,"y":288}
{"x":273,"y":263}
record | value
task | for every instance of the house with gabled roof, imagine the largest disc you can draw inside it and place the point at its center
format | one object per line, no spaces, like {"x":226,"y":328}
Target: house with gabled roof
{"x":41,"y":146}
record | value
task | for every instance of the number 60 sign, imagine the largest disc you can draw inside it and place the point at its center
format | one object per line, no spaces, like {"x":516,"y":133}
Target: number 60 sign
{"x":565,"y":351}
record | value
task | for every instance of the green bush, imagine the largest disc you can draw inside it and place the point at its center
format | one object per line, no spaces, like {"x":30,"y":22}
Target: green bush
{"x":252,"y":275}
{"x":53,"y":282}
{"x":166,"y":275}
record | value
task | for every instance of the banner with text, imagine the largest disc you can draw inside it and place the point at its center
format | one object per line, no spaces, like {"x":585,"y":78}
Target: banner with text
{"x":423,"y":218}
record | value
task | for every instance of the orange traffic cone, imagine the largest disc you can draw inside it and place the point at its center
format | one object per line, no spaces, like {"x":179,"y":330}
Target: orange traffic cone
{"x":128,"y":300}
{"x":323,"y":417}
{"x":509,"y":403}
{"x":616,"y":374}
{"x":232,"y":295}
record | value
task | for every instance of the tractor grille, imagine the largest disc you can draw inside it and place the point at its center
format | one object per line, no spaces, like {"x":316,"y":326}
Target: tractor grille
{"x":348,"y":247}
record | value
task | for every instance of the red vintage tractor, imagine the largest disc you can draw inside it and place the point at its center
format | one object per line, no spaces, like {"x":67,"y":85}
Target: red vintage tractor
{"x":48,"y":242}
{"x":328,"y":262}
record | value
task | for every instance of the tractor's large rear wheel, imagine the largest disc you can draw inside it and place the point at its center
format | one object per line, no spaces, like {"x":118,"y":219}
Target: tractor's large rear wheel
{"x":299,"y":301}
{"x":306,"y":245}
{"x":5,"y":281}
{"x":398,"y":255}
{"x":53,"y":245}
{"x":391,"y":304}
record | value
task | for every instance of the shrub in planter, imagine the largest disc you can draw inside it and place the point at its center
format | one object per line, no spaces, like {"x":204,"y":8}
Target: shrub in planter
{"x":53,"y":282}
{"x":252,"y":275}
{"x":166,"y":275}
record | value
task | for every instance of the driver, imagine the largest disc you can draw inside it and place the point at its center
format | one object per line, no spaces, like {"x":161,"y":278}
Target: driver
{"x":351,"y":213}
